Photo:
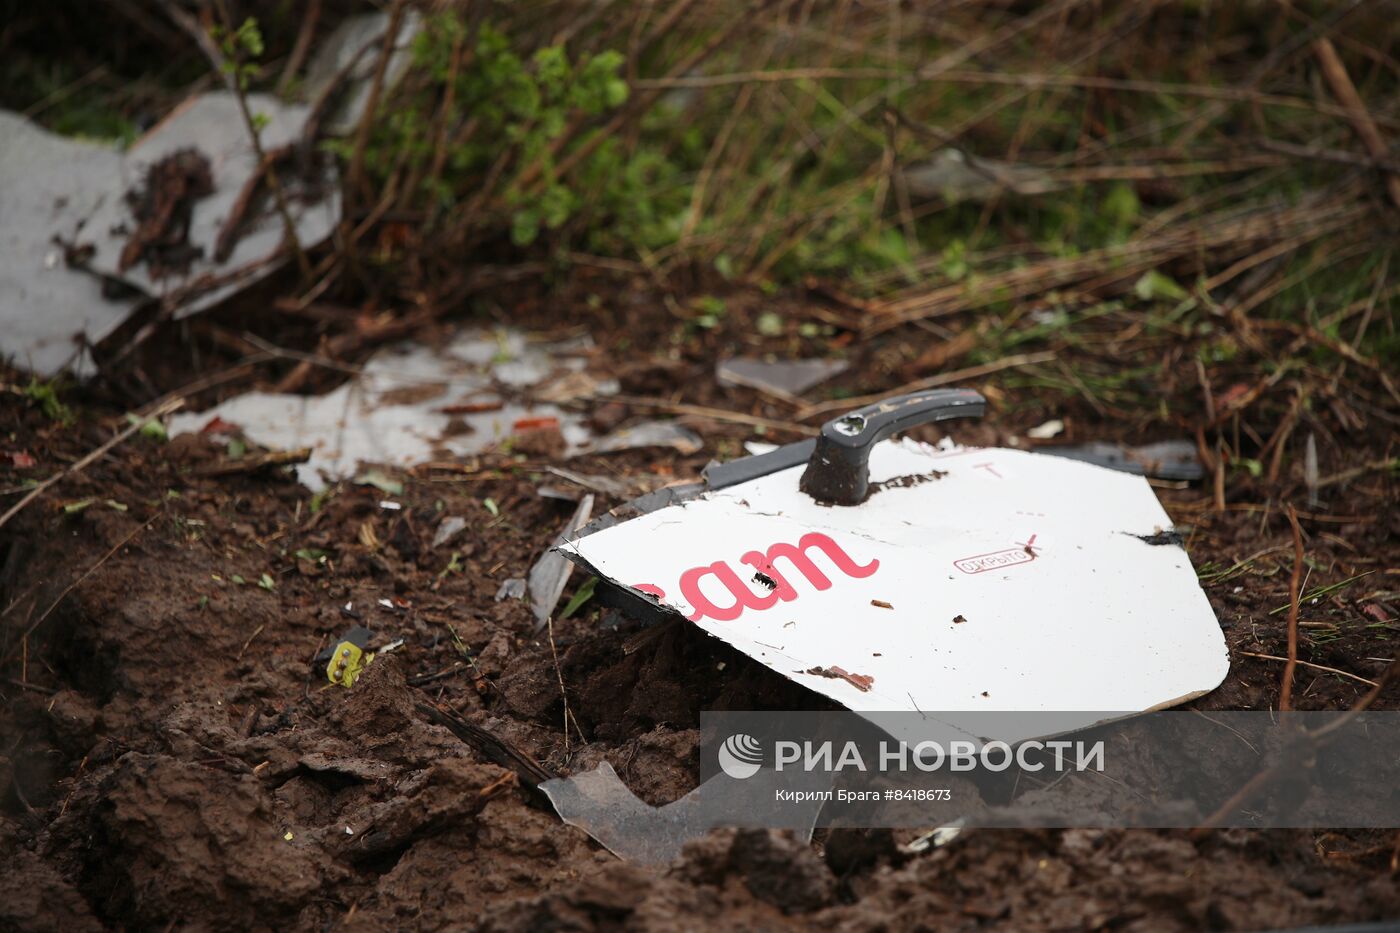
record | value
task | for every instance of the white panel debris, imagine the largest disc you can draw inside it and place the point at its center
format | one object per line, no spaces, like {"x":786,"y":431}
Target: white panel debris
{"x":212,"y":125}
{"x":58,"y":197}
{"x":49,"y":186}
{"x":409,"y":404}
{"x":971,"y":580}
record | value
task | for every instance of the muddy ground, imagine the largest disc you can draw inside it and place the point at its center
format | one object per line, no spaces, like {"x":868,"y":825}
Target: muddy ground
{"x":173,"y":758}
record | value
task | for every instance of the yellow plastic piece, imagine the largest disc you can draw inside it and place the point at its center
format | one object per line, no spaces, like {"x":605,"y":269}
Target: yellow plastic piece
{"x":348,"y":661}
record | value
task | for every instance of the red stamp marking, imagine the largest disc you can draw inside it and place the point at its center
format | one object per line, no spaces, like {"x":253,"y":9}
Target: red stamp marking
{"x":988,"y":467}
{"x":995,"y":560}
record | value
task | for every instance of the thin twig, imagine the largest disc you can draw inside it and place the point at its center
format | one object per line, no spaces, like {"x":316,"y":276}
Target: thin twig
{"x":1285,"y":700}
{"x":715,"y":414}
{"x":1360,"y":118}
{"x":301,"y":47}
{"x":159,"y":412}
{"x":355,"y":175}
{"x":1317,"y":667}
{"x":1313,"y":738}
{"x":563,"y":693}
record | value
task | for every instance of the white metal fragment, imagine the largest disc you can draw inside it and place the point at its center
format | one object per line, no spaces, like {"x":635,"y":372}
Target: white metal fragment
{"x":1067,"y":610}
{"x":550,"y":573}
{"x":49,"y":186}
{"x":409,"y":404}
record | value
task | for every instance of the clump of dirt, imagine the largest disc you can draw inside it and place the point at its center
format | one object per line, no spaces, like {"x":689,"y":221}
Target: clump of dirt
{"x":162,"y":207}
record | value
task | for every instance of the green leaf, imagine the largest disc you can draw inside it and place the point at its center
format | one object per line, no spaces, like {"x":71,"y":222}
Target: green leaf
{"x":151,"y":428}
{"x":318,"y":500}
{"x":1154,"y":284}
{"x":583,"y":595}
{"x":770,"y":324}
{"x":381,"y":482}
{"x":490,"y":506}
{"x":266,"y":582}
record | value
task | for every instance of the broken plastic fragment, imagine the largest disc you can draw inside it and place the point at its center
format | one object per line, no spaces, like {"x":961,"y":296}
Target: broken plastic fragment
{"x":447,"y":529}
{"x":1049,"y":429}
{"x":786,"y":378}
{"x":957,"y":176}
{"x":514,"y":588}
{"x":650,"y":434}
{"x":347,"y":663}
{"x":1163,"y":460}
{"x":392,"y":413}
{"x":598,"y":803}
{"x":550,"y":573}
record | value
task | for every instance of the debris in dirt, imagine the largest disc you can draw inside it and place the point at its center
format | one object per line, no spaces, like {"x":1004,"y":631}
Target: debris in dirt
{"x":1310,"y":470}
{"x":357,"y":634}
{"x":538,"y":437}
{"x":513,"y":588}
{"x":1162,"y":537}
{"x":379,"y":481}
{"x":935,"y":839}
{"x":550,"y":574}
{"x":786,"y":379}
{"x":957,"y":176}
{"x":999,"y":527}
{"x":448,"y":529}
{"x":162,"y":207}
{"x":607,"y":485}
{"x":862,"y":682}
{"x":650,"y":434}
{"x":881,"y":604}
{"x":348,"y":657}
{"x":598,"y":803}
{"x":270,"y":460}
{"x":70,"y":247}
{"x":906,"y":482}
{"x":1176,"y":460}
{"x":212,"y":123}
{"x":573,"y":386}
{"x":1043,"y":432}
{"x":391,"y":412}
{"x":498,"y":751}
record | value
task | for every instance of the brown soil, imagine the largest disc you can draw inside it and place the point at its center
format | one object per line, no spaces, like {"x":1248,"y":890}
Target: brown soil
{"x":171,"y":757}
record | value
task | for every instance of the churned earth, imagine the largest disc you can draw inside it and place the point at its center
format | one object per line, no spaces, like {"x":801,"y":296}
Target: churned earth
{"x":172,"y":757}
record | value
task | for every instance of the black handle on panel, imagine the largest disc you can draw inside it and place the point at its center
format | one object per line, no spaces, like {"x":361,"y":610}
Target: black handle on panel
{"x":838,"y":472}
